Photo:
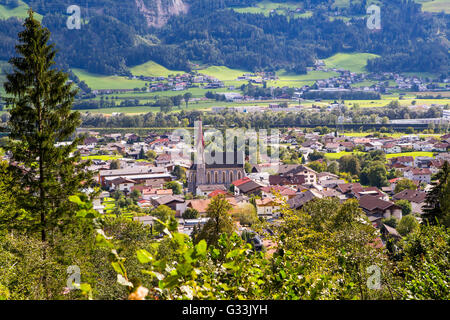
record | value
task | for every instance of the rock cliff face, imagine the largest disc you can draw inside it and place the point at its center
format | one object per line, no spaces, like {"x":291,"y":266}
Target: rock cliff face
{"x":157,"y":12}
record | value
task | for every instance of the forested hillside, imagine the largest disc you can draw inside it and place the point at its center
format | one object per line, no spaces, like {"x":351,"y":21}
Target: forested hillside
{"x":116,"y":35}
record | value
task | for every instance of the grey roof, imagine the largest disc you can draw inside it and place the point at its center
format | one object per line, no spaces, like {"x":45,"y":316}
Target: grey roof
{"x":300,"y":199}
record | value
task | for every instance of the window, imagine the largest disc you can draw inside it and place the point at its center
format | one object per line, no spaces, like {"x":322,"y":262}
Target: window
{"x":208,"y":178}
{"x":216,"y":178}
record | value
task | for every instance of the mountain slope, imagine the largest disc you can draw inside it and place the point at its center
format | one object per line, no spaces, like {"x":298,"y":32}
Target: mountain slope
{"x":116,"y":35}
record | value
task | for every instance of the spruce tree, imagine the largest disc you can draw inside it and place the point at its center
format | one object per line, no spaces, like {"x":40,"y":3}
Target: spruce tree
{"x":437,"y":207}
{"x":41,"y":99}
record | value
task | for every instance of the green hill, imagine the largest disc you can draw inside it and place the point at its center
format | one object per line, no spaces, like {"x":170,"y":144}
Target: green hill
{"x":355,"y":62}
{"x":20,"y":12}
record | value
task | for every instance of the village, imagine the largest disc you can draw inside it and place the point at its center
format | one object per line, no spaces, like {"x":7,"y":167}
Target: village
{"x":139,"y":174}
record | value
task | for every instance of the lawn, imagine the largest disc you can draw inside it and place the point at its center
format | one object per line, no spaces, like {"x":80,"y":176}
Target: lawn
{"x":355,"y":62}
{"x":298,"y":80}
{"x":436,"y":6}
{"x":102,"y":157}
{"x":336,"y":156}
{"x":412,"y":154}
{"x":98,"y":82}
{"x":153,"y":69}
{"x":20,"y":11}
{"x":223,"y":73}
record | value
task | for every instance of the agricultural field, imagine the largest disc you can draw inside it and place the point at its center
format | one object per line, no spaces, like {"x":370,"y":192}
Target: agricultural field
{"x":153,"y":69}
{"x":19,"y":12}
{"x":392,"y":135}
{"x":102,"y":157}
{"x":436,"y":5}
{"x":355,"y":62}
{"x":98,"y":82}
{"x":336,"y":156}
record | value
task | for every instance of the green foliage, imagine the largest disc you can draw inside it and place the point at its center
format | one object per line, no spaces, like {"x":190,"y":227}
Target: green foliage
{"x":220,"y":221}
{"x":175,"y":186}
{"x":190,"y":213}
{"x":405,"y":205}
{"x":165,"y":216}
{"x":407,"y":225}
{"x":405,"y":184}
{"x":437,"y":203}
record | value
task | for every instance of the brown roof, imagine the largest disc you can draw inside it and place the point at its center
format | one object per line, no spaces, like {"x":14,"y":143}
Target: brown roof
{"x":411,"y":195}
{"x":373,"y":202}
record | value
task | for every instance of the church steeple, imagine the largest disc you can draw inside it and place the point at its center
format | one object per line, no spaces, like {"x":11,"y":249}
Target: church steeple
{"x":200,"y":156}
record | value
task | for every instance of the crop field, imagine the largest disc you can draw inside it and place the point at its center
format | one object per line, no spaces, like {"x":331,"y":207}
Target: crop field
{"x":336,"y":156}
{"x":102,"y":157}
{"x":98,"y":82}
{"x":153,"y":69}
{"x":355,"y":62}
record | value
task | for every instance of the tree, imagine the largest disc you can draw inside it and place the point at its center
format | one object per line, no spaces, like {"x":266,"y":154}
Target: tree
{"x":437,"y":206}
{"x":175,"y":186}
{"x":151,"y":155}
{"x":190,"y":213}
{"x":375,"y":175}
{"x":316,"y":155}
{"x":405,"y":184}
{"x":407,"y":225}
{"x":166,"y":215}
{"x":318,"y":166}
{"x":179,"y":172}
{"x":187,"y":96}
{"x":220,"y":221}
{"x":333,"y":167}
{"x":248,"y":167}
{"x":115,"y":164}
{"x":246,"y":214}
{"x":41,"y":99}
{"x":350,"y":164}
{"x":142,"y":154}
{"x":405,"y":205}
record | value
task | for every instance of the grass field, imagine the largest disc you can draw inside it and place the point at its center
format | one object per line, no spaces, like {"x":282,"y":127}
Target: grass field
{"x":336,"y":156}
{"x":355,"y":62}
{"x":98,"y":82}
{"x":20,"y":11}
{"x":153,"y":69}
{"x":102,"y":157}
{"x":222,"y":73}
{"x":436,"y":6}
{"x":266,"y":7}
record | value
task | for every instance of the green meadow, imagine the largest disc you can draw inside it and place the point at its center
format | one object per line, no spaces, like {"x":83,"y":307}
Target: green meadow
{"x":266,"y":7}
{"x":355,"y":62}
{"x":436,"y":6}
{"x":153,"y":69}
{"x":336,"y":156}
{"x":98,"y":82}
{"x":20,"y":11}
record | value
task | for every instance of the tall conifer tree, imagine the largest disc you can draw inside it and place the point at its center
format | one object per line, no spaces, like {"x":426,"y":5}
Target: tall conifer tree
{"x":41,"y":99}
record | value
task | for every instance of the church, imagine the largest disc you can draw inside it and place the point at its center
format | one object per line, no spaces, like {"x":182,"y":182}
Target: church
{"x":215,"y":175}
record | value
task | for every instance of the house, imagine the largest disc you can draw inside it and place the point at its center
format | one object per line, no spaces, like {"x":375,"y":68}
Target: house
{"x":302,"y":198}
{"x":283,"y":191}
{"x":163,"y":160}
{"x":145,"y":220}
{"x":391,"y":148}
{"x":378,"y":209}
{"x":204,"y":190}
{"x":389,"y":232}
{"x":308,"y":175}
{"x":404,"y":160}
{"x":373,"y":145}
{"x":250,"y":187}
{"x":415,"y":197}
{"x":333,"y":147}
{"x":122,"y":184}
{"x":176,"y":203}
{"x":267,"y":208}
{"x":417,"y":174}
